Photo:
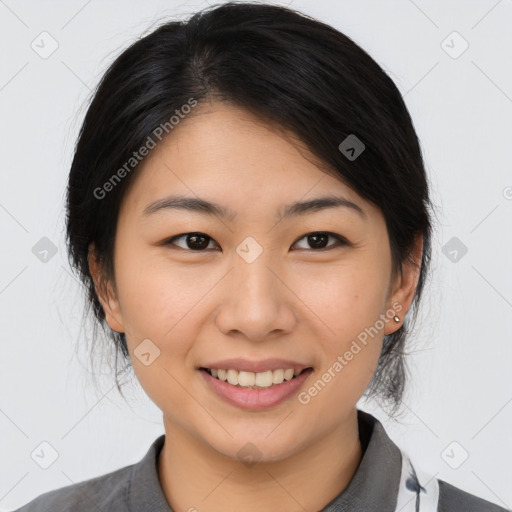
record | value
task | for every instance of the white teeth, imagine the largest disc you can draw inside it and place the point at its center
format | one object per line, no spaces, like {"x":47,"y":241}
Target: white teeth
{"x":278,"y":376}
{"x":264,"y":379}
{"x":232,"y":377}
{"x":288,"y":374}
{"x":246,"y":379}
{"x":251,"y":379}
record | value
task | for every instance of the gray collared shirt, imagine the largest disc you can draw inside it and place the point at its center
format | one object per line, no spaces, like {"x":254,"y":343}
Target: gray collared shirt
{"x":373,"y":488}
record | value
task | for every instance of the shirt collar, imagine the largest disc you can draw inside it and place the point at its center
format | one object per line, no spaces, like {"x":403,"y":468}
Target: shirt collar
{"x":373,"y":488}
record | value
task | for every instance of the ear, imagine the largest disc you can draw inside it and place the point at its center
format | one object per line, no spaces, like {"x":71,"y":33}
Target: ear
{"x":105,"y":292}
{"x":404,"y":286}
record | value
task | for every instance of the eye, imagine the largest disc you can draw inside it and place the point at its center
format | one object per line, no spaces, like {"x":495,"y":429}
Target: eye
{"x":199,"y":241}
{"x":194,"y":241}
{"x":318,"y":240}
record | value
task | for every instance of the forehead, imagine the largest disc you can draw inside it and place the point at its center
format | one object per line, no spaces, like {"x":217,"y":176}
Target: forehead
{"x":226,"y":155}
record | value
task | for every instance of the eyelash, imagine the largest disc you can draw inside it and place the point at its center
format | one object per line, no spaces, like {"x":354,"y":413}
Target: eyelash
{"x":341,"y":241}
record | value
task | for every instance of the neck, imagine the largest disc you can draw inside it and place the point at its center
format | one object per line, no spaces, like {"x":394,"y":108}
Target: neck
{"x":195,"y":477}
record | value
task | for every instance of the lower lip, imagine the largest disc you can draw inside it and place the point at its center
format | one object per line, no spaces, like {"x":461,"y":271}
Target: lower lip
{"x":255,"y":399}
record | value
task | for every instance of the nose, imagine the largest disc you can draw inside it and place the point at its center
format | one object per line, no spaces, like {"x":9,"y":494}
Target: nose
{"x":256,"y":301}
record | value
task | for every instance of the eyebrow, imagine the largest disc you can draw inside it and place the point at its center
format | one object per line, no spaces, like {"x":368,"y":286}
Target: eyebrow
{"x":205,"y":207}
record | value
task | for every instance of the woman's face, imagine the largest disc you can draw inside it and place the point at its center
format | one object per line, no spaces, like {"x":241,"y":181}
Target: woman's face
{"x":251,"y":285}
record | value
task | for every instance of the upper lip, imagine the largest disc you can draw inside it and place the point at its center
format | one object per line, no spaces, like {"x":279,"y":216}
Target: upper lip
{"x":246,"y":365}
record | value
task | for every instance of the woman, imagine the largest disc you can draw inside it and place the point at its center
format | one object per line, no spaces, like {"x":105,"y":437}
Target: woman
{"x":249,"y":211}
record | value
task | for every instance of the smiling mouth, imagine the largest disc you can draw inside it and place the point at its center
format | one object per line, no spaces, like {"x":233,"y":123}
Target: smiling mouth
{"x":254,"y":380}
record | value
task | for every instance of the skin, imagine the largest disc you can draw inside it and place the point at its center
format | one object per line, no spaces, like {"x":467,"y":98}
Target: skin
{"x":294,"y":301}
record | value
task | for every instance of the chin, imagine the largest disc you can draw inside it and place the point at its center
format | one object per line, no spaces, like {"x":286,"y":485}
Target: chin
{"x":256,"y":446}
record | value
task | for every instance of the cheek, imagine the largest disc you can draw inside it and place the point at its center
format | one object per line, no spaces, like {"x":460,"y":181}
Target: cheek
{"x":347,"y":308}
{"x":161,"y":304}
{"x":347,"y":297}
{"x":157,"y":297}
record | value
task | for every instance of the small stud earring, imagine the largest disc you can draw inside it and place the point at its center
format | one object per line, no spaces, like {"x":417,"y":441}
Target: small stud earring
{"x":396,"y":318}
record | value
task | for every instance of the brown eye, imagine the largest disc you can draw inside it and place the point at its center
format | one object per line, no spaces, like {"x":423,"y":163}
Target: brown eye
{"x":319,"y":240}
{"x":194,"y":241}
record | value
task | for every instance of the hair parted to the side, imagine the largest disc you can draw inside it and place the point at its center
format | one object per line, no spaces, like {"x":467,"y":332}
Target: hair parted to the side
{"x":287,"y":68}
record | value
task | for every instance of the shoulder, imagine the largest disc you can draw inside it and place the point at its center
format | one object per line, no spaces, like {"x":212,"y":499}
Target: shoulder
{"x":453,"y":499}
{"x":133,"y":487}
{"x":106,"y":492}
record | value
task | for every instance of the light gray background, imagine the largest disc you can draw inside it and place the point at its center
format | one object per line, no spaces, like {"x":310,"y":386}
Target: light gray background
{"x":462,"y":110}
